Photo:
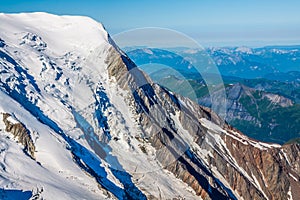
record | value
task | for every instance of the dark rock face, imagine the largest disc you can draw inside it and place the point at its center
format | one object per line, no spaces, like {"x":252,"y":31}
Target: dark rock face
{"x":268,"y":166}
{"x":191,"y":142}
{"x":234,"y":166}
{"x":2,"y":43}
{"x":34,"y":41}
{"x":19,"y":131}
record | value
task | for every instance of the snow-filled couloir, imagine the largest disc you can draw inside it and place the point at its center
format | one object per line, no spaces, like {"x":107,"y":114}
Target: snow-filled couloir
{"x":79,"y":120}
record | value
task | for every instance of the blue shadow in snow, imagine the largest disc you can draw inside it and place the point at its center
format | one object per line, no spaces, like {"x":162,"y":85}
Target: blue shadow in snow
{"x":90,"y":162}
{"x":103,"y":150}
{"x":20,"y":70}
{"x":7,"y":194}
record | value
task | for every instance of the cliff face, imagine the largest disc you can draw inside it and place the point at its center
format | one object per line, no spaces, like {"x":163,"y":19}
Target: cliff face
{"x":20,"y":132}
{"x":107,"y":131}
{"x":219,"y":162}
{"x":268,"y":167}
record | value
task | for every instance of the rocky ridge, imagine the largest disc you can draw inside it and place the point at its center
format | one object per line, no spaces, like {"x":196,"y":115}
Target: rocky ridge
{"x":121,"y":134}
{"x":20,"y":132}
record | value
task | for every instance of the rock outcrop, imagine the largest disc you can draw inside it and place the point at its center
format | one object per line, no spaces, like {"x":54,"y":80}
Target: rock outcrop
{"x":116,"y":131}
{"x":220,"y":163}
{"x":20,"y":132}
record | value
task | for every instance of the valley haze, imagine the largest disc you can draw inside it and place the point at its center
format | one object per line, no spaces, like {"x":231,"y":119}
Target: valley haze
{"x":80,"y":120}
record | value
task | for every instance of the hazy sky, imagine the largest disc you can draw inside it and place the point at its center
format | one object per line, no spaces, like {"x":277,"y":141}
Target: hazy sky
{"x":211,"y":22}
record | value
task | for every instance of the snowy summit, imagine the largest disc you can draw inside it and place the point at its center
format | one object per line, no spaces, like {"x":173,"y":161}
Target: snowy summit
{"x":79,"y":120}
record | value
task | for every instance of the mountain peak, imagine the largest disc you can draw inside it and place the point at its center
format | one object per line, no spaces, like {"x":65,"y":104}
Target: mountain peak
{"x":98,"y":127}
{"x":61,"y":36}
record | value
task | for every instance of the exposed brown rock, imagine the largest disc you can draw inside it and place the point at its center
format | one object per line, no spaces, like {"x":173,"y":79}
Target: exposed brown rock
{"x":19,"y":131}
{"x":250,"y":171}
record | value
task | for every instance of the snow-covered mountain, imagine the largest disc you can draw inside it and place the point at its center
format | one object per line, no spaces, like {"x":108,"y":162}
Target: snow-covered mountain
{"x":79,"y":120}
{"x":273,"y":63}
{"x":263,"y":62}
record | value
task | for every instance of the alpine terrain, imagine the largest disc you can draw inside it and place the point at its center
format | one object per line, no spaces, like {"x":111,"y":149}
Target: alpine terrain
{"x":79,"y":120}
{"x":261,"y":88}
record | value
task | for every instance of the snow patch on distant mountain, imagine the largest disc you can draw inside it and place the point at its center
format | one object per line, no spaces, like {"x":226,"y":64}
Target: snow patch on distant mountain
{"x":102,"y":129}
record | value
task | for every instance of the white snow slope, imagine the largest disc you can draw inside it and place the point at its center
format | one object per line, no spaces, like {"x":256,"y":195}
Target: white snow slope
{"x":93,"y":137}
{"x":45,"y":63}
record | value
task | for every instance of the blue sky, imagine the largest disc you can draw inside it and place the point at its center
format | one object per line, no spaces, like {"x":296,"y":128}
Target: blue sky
{"x":211,"y":22}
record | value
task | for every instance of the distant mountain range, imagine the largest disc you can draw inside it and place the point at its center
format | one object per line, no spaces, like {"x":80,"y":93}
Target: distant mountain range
{"x":282,"y":62}
{"x":256,"y":63}
{"x":80,"y":120}
{"x":262,"y":84}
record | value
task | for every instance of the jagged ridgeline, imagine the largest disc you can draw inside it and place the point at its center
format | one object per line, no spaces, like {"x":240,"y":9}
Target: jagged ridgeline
{"x":99,"y":128}
{"x":261,"y":84}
